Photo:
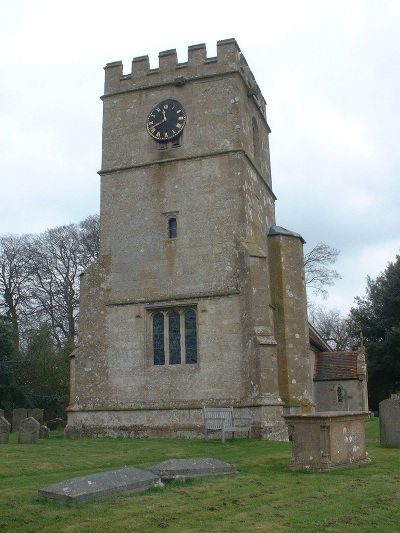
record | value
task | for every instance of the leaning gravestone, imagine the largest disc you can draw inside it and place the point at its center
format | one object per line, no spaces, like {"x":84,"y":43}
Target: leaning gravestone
{"x":18,"y":416}
{"x":389,"y":421}
{"x":29,"y":431}
{"x":37,"y":414}
{"x":5,"y":428}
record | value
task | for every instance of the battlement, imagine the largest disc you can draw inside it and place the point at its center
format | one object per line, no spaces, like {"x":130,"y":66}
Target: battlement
{"x":229,"y":59}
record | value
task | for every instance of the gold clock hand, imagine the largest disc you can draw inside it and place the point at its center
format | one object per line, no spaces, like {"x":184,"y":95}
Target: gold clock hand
{"x":158,"y":123}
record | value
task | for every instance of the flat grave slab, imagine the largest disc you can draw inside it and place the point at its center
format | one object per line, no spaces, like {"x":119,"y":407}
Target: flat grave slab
{"x":189,"y":468}
{"x":101,"y":485}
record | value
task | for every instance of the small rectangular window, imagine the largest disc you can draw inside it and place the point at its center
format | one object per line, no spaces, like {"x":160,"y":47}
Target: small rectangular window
{"x":172,"y":228}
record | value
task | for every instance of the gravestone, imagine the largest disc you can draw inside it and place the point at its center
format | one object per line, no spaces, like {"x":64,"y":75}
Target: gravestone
{"x":5,"y":428}
{"x":98,"y":486}
{"x":175,"y":469}
{"x":1,"y":412}
{"x":37,"y":414}
{"x":56,"y":423}
{"x":29,"y":431}
{"x":44,"y":432}
{"x":389,"y":421}
{"x":73,"y":432}
{"x":18,"y":416}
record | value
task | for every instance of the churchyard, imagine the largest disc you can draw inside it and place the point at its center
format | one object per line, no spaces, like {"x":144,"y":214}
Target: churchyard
{"x":263,"y":496}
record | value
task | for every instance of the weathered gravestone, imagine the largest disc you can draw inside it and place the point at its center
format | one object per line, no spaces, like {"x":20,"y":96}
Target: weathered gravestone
{"x":44,"y":432}
{"x":29,"y":431}
{"x":98,"y":486}
{"x":175,"y":469}
{"x":389,"y":421}
{"x":1,"y":412}
{"x":37,"y":414}
{"x":73,"y":432}
{"x":18,"y":416}
{"x":5,"y":428}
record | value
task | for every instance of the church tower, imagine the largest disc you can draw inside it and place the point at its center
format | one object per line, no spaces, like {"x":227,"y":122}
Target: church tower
{"x":197,"y":298}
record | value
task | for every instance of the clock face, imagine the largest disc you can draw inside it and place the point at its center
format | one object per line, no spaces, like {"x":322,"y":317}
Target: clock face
{"x":166,"y":120}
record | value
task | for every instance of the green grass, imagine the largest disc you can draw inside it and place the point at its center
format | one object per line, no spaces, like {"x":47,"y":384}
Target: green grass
{"x":263,"y":496}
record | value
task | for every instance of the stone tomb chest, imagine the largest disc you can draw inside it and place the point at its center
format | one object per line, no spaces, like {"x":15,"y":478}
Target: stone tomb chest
{"x":324,"y":441}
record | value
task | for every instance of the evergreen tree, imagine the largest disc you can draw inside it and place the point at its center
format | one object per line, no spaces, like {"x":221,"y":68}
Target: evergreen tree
{"x":377,"y":315}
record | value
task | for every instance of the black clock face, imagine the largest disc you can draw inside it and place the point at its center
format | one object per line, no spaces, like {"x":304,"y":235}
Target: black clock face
{"x":166,"y":120}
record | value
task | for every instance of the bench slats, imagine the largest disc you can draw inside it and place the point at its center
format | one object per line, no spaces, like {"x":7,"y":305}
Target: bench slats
{"x":222,"y":419}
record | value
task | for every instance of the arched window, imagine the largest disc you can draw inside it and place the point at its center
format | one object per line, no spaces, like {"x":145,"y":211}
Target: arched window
{"x":172,"y":228}
{"x":174,"y":337}
{"x":339,"y":394}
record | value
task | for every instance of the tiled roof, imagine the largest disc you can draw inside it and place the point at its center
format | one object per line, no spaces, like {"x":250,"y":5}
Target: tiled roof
{"x":335,"y":365}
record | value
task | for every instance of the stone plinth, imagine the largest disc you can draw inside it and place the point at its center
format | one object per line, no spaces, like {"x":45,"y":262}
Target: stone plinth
{"x":324,"y":441}
{"x":389,"y":422}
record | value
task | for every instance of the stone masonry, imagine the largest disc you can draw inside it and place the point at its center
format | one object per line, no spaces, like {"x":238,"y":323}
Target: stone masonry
{"x":237,"y":272}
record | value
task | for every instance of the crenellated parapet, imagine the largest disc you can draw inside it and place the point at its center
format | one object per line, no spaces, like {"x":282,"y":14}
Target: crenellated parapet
{"x":229,"y":59}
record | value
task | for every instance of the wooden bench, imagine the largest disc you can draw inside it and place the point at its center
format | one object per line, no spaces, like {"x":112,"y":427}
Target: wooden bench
{"x":222,"y":419}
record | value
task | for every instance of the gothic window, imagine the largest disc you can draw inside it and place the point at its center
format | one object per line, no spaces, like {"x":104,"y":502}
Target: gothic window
{"x":174,"y":337}
{"x":172,"y":228}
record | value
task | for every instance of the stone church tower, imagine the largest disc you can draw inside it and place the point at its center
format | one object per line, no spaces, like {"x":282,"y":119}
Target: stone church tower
{"x":198,"y":298}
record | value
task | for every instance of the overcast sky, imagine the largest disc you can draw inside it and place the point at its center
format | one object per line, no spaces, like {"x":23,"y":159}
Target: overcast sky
{"x":329,"y":71}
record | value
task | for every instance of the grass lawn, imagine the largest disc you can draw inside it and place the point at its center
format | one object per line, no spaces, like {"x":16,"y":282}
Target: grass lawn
{"x":263,"y":496}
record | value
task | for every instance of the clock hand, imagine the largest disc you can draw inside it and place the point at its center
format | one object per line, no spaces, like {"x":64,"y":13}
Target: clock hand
{"x":158,"y":123}
{"x":161,"y":121}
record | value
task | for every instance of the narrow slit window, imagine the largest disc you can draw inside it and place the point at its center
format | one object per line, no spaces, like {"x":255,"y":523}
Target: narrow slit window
{"x":339,"y":394}
{"x":172,"y":228}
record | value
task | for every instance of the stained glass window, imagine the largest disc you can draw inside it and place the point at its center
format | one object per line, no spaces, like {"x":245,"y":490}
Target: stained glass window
{"x":174,"y":322}
{"x":158,"y":339}
{"x":190,"y":338}
{"x":174,"y":337}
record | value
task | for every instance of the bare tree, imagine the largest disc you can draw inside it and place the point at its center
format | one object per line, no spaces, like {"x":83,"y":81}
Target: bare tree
{"x":15,"y":279}
{"x":318,"y":271}
{"x":89,"y":236}
{"x":333,"y":327}
{"x":60,"y":256}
